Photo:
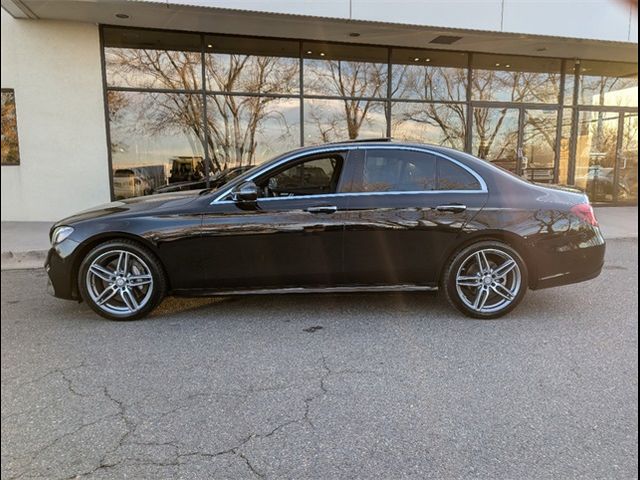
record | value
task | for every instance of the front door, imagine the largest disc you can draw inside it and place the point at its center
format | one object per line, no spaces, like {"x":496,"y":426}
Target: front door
{"x":405,"y":210}
{"x":292,"y":236}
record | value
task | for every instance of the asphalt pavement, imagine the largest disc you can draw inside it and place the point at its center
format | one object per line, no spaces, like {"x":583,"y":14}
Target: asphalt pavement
{"x":324,"y":386}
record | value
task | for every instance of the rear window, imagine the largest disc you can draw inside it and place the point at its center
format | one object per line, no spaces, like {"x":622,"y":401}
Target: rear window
{"x":454,"y":177}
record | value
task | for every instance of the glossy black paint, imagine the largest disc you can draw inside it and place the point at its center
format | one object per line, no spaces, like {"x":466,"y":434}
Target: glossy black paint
{"x":209,"y":243}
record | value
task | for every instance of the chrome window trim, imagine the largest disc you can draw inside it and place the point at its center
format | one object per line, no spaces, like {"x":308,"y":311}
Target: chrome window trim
{"x":340,"y":148}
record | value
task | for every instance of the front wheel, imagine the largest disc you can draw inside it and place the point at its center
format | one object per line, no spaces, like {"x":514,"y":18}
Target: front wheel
{"x":485,"y":280}
{"x":121,"y":280}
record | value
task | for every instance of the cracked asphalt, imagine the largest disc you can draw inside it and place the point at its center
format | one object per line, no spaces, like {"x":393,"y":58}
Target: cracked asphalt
{"x":324,"y":386}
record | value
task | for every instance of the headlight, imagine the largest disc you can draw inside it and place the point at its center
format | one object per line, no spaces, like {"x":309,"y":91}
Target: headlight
{"x":60,"y":234}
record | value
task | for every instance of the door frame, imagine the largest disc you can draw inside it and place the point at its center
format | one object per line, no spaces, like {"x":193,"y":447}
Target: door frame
{"x":622,"y":113}
{"x":522,"y":108}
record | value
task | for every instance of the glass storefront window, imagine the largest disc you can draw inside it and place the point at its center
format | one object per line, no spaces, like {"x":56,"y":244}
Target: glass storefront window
{"x":628,"y":161}
{"x":249,"y":66}
{"x":249,"y":130}
{"x":10,"y":150}
{"x":257,"y":90}
{"x":156,"y":139}
{"x":337,"y":120}
{"x":495,"y":136}
{"x":610,"y":84}
{"x":596,"y":154}
{"x":434,"y":123}
{"x":344,"y":70}
{"x":505,"y":78}
{"x":539,"y":144}
{"x":152,"y":59}
{"x":429,"y":75}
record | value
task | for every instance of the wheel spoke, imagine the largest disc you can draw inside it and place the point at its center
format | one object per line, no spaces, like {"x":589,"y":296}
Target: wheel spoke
{"x":106,"y":295}
{"x":123,"y":260}
{"x":129,"y":299}
{"x":468,"y":281}
{"x":505,"y":268}
{"x":483,"y":263}
{"x":503,"y":291}
{"x":140,"y":280}
{"x":481,"y":298}
{"x":101,"y":272}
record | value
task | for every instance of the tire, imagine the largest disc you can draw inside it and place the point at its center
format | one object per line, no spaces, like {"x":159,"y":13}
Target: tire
{"x":121,"y":280}
{"x":493,"y":293}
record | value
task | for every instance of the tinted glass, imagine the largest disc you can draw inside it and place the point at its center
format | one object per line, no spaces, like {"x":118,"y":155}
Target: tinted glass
{"x":397,"y":171}
{"x":345,"y":119}
{"x":434,"y":123}
{"x":344,"y":70}
{"x":453,"y":177}
{"x":508,"y":78}
{"x":240,"y":64}
{"x":156,"y":139}
{"x":603,"y":83}
{"x":152,"y":59}
{"x":314,"y":177}
{"x":429,"y":75}
{"x":247,"y":130}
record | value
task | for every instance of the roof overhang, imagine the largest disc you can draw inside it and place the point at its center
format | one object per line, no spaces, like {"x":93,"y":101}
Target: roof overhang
{"x":230,"y":21}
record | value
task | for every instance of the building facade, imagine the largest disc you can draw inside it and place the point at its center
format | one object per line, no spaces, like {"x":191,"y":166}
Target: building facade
{"x":108,"y":100}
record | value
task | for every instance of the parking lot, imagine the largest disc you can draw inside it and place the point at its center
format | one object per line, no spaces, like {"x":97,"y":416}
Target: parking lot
{"x":324,"y":386}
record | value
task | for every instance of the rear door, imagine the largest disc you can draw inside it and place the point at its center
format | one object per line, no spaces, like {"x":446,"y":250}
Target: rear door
{"x":406,"y":207}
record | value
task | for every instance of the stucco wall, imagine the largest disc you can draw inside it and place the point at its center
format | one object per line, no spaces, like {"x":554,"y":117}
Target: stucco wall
{"x":55,"y":70}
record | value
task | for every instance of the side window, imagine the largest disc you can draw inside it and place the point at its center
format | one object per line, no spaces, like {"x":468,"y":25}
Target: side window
{"x":454,"y":177}
{"x":388,"y":170}
{"x":317,"y":176}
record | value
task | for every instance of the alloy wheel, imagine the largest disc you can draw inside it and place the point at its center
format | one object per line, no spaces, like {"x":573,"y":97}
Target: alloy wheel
{"x":119,"y":282}
{"x":488,"y":280}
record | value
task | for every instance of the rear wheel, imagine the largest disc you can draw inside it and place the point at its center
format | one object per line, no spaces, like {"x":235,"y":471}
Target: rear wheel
{"x":121,"y":280}
{"x":486,"y":280}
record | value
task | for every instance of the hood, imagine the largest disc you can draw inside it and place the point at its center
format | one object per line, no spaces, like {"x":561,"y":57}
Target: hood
{"x":136,"y":205}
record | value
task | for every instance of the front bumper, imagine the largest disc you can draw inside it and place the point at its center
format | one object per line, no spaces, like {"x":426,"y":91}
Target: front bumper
{"x":59,"y":266}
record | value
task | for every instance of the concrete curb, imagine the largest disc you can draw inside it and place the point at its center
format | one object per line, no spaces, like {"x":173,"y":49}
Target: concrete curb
{"x":35,"y":258}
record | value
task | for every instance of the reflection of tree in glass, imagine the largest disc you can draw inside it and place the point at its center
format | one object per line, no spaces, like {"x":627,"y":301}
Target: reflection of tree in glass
{"x":233,"y":126}
{"x":432,"y":83}
{"x":353,"y":80}
{"x":10,"y":152}
{"x":491,"y":85}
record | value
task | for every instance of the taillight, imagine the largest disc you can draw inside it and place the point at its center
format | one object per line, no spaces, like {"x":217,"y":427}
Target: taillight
{"x":584,"y":211}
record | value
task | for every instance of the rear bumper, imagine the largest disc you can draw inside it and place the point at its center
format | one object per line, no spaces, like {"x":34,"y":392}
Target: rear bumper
{"x":573,"y":262}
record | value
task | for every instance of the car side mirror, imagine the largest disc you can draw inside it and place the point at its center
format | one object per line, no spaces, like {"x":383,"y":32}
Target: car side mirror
{"x":246,"y":192}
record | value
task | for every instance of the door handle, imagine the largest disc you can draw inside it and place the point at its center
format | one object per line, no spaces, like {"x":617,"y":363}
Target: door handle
{"x":453,"y":208}
{"x":323,"y":209}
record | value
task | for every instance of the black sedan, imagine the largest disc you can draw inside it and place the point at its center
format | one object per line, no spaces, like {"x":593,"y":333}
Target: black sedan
{"x":374,"y":215}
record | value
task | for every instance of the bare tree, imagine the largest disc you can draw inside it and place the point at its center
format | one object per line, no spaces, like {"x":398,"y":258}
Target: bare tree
{"x":358,"y":83}
{"x":233,"y":121}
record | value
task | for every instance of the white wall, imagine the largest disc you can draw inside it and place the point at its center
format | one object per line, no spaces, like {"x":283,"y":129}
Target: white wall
{"x":592,"y":19}
{"x":55,"y":70}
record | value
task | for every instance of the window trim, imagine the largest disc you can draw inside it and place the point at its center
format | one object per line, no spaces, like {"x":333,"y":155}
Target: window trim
{"x":220,"y":198}
{"x":340,"y":155}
